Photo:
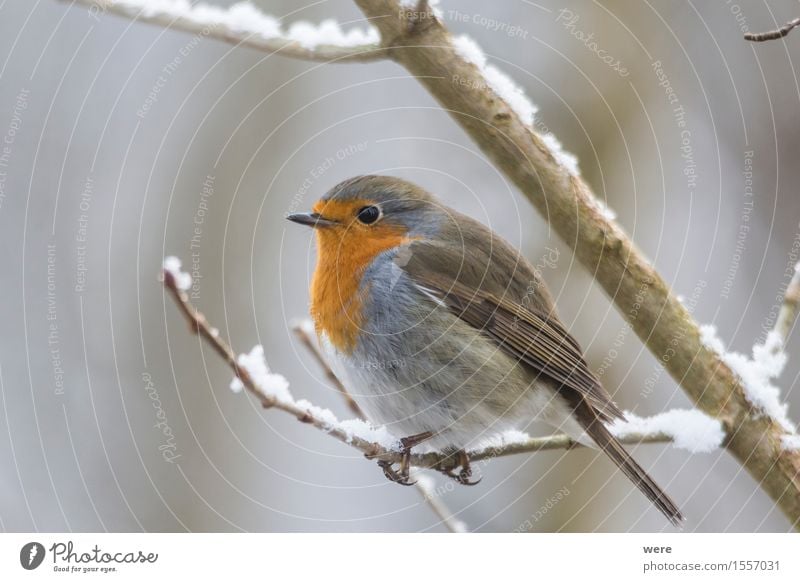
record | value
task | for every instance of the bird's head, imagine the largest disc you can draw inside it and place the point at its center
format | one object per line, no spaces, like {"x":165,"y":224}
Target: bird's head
{"x":371,"y":212}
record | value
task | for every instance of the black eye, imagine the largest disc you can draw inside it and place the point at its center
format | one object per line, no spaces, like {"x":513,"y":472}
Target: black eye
{"x":369,"y":214}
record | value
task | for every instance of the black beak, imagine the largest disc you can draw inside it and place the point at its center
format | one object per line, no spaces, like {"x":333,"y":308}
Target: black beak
{"x":311,"y":219}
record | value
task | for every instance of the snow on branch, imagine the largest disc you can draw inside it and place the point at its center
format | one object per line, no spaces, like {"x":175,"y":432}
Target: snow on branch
{"x":183,"y":280}
{"x":690,"y":430}
{"x":756,"y":372}
{"x":243,"y":23}
{"x":766,"y":364}
{"x":507,"y":89}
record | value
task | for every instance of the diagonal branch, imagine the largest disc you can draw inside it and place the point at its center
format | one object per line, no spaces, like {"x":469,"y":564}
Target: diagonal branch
{"x":788,"y":313}
{"x":773,"y":34}
{"x":426,"y":487}
{"x":301,"y":330}
{"x":242,"y":24}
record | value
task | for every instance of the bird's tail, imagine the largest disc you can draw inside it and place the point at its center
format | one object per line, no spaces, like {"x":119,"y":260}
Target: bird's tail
{"x":595,"y":428}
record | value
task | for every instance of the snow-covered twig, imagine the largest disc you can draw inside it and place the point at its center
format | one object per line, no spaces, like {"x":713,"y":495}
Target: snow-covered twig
{"x":773,"y":34}
{"x":244,"y":24}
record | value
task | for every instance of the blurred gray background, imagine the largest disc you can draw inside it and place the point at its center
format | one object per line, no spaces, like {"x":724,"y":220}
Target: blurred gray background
{"x":97,"y":188}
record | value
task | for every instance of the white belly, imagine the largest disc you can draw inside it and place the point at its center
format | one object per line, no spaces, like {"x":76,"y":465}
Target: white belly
{"x":462,"y":418}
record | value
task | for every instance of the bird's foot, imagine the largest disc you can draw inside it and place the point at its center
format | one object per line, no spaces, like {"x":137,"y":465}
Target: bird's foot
{"x":464,"y":475}
{"x":403,"y":474}
{"x":393,"y":475}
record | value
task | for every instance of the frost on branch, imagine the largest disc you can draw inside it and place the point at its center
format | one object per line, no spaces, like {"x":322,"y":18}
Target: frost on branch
{"x":756,"y":375}
{"x":604,"y":209}
{"x":512,"y":94}
{"x":364,"y":430}
{"x":352,"y":429}
{"x":566,"y":159}
{"x":690,"y":430}
{"x":243,"y":17}
{"x":270,"y":384}
{"x":790,"y":442}
{"x":497,"y":79}
{"x":504,"y":439}
{"x":434,"y":5}
{"x":183,"y":281}
{"x":275,"y":386}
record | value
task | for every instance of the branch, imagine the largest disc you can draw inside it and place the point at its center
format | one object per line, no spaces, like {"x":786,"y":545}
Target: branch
{"x":788,"y":312}
{"x":773,"y":34}
{"x":242,"y":24}
{"x":301,"y":330}
{"x":348,"y":432}
{"x":494,"y":115}
{"x":426,"y":487}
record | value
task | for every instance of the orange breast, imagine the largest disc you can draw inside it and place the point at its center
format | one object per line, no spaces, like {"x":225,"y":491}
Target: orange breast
{"x":344,"y":253}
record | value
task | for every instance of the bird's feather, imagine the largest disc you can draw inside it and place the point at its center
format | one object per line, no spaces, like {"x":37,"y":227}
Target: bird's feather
{"x":528,"y":334}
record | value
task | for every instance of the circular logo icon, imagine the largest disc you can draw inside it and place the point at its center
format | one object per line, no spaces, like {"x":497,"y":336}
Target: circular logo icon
{"x":31,"y":555}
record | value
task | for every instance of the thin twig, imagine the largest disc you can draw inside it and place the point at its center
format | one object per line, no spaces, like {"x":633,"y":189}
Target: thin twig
{"x":789,"y":308}
{"x":773,"y":34}
{"x":433,"y":460}
{"x":422,"y":483}
{"x":250,"y":38}
{"x":300,"y":329}
{"x":425,"y":485}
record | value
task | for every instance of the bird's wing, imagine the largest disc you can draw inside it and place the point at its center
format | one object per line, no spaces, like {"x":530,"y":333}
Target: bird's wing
{"x":525,"y":332}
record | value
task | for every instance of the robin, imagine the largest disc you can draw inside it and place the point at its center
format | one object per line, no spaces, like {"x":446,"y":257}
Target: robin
{"x":445,"y":333}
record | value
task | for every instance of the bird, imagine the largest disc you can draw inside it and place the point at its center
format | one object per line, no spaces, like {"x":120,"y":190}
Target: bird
{"x":445,"y":333}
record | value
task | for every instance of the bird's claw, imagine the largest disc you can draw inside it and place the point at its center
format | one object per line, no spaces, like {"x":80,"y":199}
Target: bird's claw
{"x":395,"y":476}
{"x":463,"y":476}
{"x":403,"y":475}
